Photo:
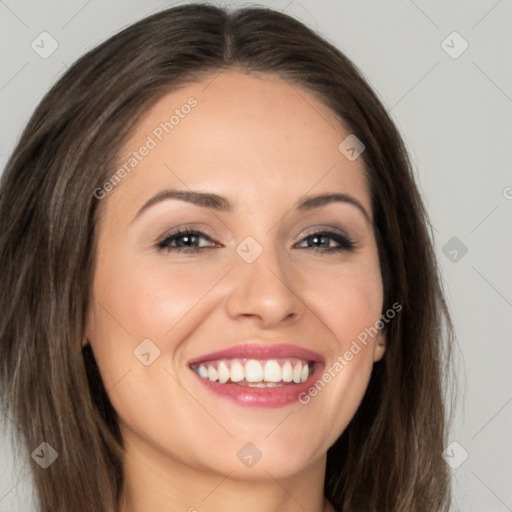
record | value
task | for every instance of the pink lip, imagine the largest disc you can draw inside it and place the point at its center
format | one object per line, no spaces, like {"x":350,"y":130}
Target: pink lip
{"x":253,"y":351}
{"x":261,"y":397}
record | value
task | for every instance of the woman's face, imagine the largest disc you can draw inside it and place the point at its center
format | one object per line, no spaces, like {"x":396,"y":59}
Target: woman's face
{"x":271,"y":287}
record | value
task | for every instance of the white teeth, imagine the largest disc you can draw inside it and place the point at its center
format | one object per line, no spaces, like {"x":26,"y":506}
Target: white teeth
{"x":237,"y":372}
{"x":297,"y":370}
{"x":272,"y":372}
{"x":224,"y":372}
{"x":212,"y":373}
{"x":253,"y":371}
{"x":287,"y":372}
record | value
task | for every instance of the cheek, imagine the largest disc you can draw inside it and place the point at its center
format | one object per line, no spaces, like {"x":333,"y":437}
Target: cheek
{"x":347,"y":298}
{"x":136,"y":302}
{"x":148,"y":301}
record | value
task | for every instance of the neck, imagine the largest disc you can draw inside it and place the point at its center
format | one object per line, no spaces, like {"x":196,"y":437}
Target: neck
{"x":153,"y":481}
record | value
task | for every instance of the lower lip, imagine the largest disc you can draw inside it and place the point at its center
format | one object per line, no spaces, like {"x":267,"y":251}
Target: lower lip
{"x":262,"y":397}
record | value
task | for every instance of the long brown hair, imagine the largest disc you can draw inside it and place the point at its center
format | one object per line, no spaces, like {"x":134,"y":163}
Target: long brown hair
{"x":389,"y":458}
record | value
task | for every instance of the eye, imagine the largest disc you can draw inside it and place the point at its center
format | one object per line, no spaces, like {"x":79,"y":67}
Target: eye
{"x":189,"y":240}
{"x":184,"y":240}
{"x":321,"y":241}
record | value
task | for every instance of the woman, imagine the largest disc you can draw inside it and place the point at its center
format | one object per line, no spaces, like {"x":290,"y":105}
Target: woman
{"x":219,"y":290}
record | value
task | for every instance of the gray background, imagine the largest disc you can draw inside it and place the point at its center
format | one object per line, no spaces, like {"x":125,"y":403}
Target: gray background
{"x":455,"y":116}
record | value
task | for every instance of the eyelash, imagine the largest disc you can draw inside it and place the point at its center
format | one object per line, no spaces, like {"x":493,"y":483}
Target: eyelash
{"x":345,"y":242}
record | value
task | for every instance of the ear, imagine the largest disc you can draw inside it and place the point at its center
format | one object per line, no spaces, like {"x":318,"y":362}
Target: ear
{"x":380,"y":347}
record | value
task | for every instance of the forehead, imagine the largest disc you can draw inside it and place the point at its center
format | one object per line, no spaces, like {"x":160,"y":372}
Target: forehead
{"x":255,"y":136}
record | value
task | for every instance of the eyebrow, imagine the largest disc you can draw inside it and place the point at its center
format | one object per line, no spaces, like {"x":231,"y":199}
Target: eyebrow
{"x":222,"y":204}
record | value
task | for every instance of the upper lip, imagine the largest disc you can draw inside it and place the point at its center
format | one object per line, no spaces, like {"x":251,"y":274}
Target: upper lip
{"x":260,"y":351}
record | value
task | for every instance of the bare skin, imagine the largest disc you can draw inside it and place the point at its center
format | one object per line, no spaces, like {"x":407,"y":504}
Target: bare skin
{"x":263,"y":145}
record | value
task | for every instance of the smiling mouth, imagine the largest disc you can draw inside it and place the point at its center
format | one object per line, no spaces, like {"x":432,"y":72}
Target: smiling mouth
{"x":259,"y":373}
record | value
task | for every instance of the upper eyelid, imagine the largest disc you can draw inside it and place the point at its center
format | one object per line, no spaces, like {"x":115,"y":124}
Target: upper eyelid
{"x":184,"y":230}
{"x":328,"y":229}
{"x":202,"y":231}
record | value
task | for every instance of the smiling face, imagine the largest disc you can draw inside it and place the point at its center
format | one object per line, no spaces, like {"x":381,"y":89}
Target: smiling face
{"x":264,"y":266}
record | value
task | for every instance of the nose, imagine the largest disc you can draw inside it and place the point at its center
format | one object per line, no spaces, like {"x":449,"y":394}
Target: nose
{"x":265,"y":291}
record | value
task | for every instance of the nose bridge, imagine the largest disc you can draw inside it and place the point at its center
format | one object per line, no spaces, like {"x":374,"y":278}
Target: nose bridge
{"x":263,"y":283}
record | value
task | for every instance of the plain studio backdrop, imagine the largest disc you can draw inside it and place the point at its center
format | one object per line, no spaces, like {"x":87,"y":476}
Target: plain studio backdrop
{"x":443,"y":71}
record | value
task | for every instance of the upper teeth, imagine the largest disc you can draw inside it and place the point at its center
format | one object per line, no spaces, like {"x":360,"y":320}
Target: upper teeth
{"x":254,"y":371}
